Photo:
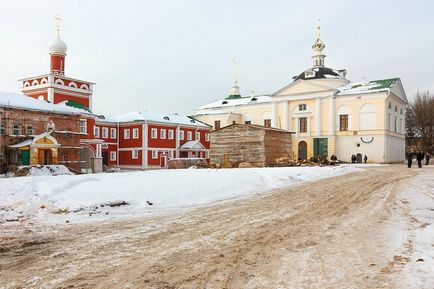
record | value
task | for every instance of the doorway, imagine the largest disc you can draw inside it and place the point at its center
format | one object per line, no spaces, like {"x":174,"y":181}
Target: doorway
{"x":359,"y":158}
{"x":302,"y":150}
{"x":163,"y":161}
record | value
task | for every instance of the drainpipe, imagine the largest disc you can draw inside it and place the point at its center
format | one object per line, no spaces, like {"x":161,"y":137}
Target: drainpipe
{"x":118,"y":135}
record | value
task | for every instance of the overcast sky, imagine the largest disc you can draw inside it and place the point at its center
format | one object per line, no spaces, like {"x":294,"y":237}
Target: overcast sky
{"x":173,"y":56}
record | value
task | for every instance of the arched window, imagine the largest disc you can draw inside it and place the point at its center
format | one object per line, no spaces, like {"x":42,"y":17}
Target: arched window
{"x":72,"y":84}
{"x":396,"y":108}
{"x":26,"y":84}
{"x":43,"y":81}
{"x":59,"y":81}
{"x":84,"y":86}
{"x":247,"y":118}
{"x":41,"y":97}
{"x":35,"y":82}
{"x":368,"y":116}
{"x":390,"y":105}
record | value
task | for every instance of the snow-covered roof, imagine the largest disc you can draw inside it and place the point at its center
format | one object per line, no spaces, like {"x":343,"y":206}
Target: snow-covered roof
{"x":228,"y":102}
{"x":371,"y":86}
{"x":34,"y":139}
{"x":192,"y":145}
{"x":21,"y":101}
{"x":153,"y":117}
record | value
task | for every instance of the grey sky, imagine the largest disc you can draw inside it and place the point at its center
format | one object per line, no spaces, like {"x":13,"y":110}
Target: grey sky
{"x":173,"y":56}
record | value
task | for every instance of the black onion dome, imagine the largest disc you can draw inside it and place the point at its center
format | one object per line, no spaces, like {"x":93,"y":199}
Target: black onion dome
{"x":318,"y":73}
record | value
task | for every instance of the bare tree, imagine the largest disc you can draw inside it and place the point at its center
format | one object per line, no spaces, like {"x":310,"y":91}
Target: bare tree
{"x":420,"y":122}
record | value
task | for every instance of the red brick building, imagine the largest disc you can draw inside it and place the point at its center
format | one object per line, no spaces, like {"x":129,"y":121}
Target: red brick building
{"x":83,"y":140}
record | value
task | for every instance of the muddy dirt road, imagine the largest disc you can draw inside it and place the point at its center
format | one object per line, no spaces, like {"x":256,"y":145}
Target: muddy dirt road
{"x":333,"y":233}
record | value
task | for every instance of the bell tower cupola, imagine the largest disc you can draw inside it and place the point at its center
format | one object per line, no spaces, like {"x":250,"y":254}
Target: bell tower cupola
{"x":57,"y":52}
{"x":318,"y":47}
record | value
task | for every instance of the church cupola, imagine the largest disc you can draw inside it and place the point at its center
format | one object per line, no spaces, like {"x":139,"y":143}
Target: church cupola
{"x":235,"y":89}
{"x":318,"y":47}
{"x":57,"y":50}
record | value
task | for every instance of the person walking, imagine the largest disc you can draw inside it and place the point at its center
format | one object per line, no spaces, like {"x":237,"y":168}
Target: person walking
{"x":365,"y":159}
{"x":353,"y":159}
{"x":409,"y":157}
{"x":419,"y":158}
{"x":427,"y":157}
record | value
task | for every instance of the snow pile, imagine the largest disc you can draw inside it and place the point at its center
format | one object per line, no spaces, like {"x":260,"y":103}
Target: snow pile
{"x":48,"y":170}
{"x":60,"y":198}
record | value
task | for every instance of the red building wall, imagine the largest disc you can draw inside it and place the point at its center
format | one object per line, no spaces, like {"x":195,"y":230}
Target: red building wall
{"x":59,"y":97}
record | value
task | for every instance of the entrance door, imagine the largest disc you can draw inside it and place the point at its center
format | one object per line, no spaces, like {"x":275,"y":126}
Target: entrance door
{"x":25,"y":158}
{"x":105,"y":158}
{"x":44,"y":157}
{"x":320,"y":147}
{"x":359,"y":158}
{"x":302,"y":150}
{"x":163,"y":161}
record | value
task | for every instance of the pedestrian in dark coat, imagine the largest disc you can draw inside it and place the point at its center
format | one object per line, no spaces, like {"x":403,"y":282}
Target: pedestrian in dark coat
{"x":409,"y":159}
{"x":427,"y":157}
{"x":365,"y":159}
{"x":419,"y":158}
{"x":353,"y":159}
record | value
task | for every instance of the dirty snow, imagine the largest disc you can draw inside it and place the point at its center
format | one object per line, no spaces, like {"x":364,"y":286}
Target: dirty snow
{"x":95,"y":197}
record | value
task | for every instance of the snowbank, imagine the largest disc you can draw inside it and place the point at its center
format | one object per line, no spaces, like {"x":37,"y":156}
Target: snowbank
{"x":48,"y":170}
{"x":90,"y":197}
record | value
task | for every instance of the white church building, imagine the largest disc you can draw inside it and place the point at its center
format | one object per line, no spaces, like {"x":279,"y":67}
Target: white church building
{"x":328,"y":113}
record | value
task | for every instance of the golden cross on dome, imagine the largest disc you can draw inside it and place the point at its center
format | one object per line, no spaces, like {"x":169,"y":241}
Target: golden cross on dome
{"x":58,"y":21}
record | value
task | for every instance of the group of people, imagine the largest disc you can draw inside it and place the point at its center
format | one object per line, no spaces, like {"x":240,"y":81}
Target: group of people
{"x":354,"y":159}
{"x":420,"y":156}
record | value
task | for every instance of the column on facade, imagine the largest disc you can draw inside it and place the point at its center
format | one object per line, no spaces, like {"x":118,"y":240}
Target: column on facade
{"x":318,"y":117}
{"x":177,"y":143}
{"x":332,"y":115}
{"x":50,"y":96}
{"x":145,"y":145}
{"x":286,"y":115}
{"x":274,"y":114}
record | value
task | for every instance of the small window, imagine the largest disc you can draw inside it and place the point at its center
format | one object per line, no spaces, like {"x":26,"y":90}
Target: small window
{"x":2,"y":128}
{"x":112,"y":132}
{"x":162,"y":133}
{"x":302,"y":107}
{"x":216,"y":124}
{"x":170,"y":133}
{"x":2,"y":158}
{"x":390,"y":105}
{"x":29,"y":130}
{"x":267,"y":122}
{"x":104,"y":132}
{"x":181,"y":135}
{"x":83,"y":126}
{"x":135,"y":133}
{"x":127,"y":133}
{"x":197,"y":136}
{"x":396,"y":108}
{"x":400,"y":112}
{"x":247,"y":122}
{"x":154,"y":133}
{"x":207,"y":137}
{"x":155,"y":154}
{"x":112,"y":156}
{"x":302,"y":124}
{"x":343,"y":122}
{"x":135,"y":154}
{"x":189,"y":135}
{"x":96,"y":131}
{"x":16,"y":129}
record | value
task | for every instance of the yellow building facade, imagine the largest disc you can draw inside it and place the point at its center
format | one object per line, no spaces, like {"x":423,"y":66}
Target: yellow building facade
{"x":329,"y":114}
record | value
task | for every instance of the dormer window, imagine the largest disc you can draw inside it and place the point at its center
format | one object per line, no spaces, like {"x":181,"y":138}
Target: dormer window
{"x":309,"y":74}
{"x":302,"y":107}
{"x":166,"y":118}
{"x":224,"y":102}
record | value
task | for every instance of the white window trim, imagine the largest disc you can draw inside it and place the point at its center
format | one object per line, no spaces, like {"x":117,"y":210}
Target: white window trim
{"x":154,"y":154}
{"x":170,"y":134}
{"x":113,"y":132}
{"x":104,"y":132}
{"x":125,"y":133}
{"x":181,"y":135}
{"x":135,"y":133}
{"x":112,"y":156}
{"x":134,"y":154}
{"x":96,"y":131}
{"x":189,"y":135}
{"x":154,"y":133}
{"x":163,"y":133}
{"x":206,"y":136}
{"x":197,"y":136}
{"x":84,"y":121}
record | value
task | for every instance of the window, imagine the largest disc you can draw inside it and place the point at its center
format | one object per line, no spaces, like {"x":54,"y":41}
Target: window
{"x":162,"y":133}
{"x":112,"y":132}
{"x":154,"y":133}
{"x":302,"y":124}
{"x":127,"y":133}
{"x":16,"y":129}
{"x":135,"y":133}
{"x":29,"y":130}
{"x":83,"y":126}
{"x":395,"y":124}
{"x":197,"y":135}
{"x":302,"y":107}
{"x":207,"y":154}
{"x":390,"y":105}
{"x":2,"y":158}
{"x":189,"y":135}
{"x":343,"y":122}
{"x":135,"y":154}
{"x":112,"y":156}
{"x":155,"y":154}
{"x":267,"y":122}
{"x":96,"y":131}
{"x":170,"y":154}
{"x":105,"y":132}
{"x":2,"y":128}
{"x":207,"y":137}
{"x":216,"y":124}
{"x":181,"y":135}
{"x":170,"y":133}
{"x":248,"y":122}
{"x":396,"y":108}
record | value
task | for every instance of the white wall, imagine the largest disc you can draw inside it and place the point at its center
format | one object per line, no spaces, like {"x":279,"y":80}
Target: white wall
{"x":347,"y":146}
{"x":395,"y":149}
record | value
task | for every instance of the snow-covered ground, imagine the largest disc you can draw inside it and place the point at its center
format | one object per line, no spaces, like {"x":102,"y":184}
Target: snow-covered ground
{"x":105,"y":196}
